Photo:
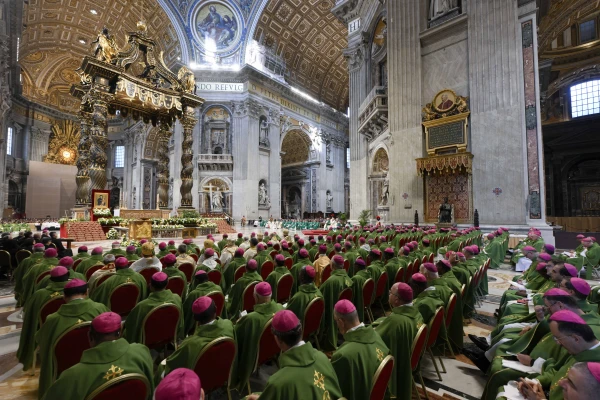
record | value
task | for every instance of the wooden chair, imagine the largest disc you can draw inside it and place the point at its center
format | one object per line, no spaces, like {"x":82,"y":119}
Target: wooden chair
{"x":42,"y":276}
{"x":219,"y":300}
{"x":284,"y":288}
{"x":176,"y":284}
{"x":123,"y":298}
{"x":173,"y":251}
{"x":69,"y":347}
{"x":435,"y":325}
{"x":147,"y":274}
{"x":267,"y":348}
{"x":381,"y":378}
{"x":418,"y":347}
{"x":215,"y":276}
{"x":326,"y":274}
{"x":289,"y":263}
{"x":346,"y":294}
{"x":91,"y":270}
{"x":214,"y":365}
{"x":248,"y":297}
{"x":102,"y":279}
{"x":266,"y":268}
{"x":367,"y":294}
{"x":347,"y":265}
{"x":124,"y":387}
{"x":331,"y":254}
{"x":239,"y":273}
{"x":273,"y":254}
{"x":400,"y":275}
{"x":312,"y":319}
{"x":22,"y":254}
{"x":159,"y":327}
{"x":188,"y":269}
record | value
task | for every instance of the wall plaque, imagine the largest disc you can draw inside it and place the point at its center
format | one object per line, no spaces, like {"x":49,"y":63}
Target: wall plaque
{"x":446,"y":135}
{"x":446,"y":120}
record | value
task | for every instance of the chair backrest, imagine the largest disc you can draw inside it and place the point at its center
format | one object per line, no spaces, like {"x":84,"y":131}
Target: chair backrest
{"x":76,"y":263}
{"x":160,"y":326}
{"x":273,"y":254}
{"x":42,"y":276}
{"x":194,"y":256}
{"x":418,"y":347}
{"x":50,"y":307}
{"x":326,"y":273}
{"x":431,"y":257}
{"x":5,"y":259}
{"x":400,"y":276}
{"x":463,"y":290}
{"x":347,"y":265}
{"x":410,"y":270}
{"x":188,"y":270}
{"x":147,"y":274}
{"x":381,"y":378}
{"x":284,"y":288}
{"x":173,"y":251}
{"x":214,"y":364}
{"x":92,"y":269}
{"x":219,"y":300}
{"x":123,"y":298}
{"x":267,"y":346}
{"x":450,"y":310}
{"x":124,"y":387}
{"x":266,"y":268}
{"x":291,"y":251}
{"x":239,"y":272}
{"x":346,"y":294}
{"x":69,"y":347}
{"x":21,"y":255}
{"x":130,"y":263}
{"x":214,"y":276}
{"x":435,"y":325}
{"x":102,"y":279}
{"x":289,"y":263}
{"x":381,"y":285}
{"x":248,"y":297}
{"x":367,"y":292}
{"x":176,"y":285}
{"x":312,"y":317}
{"x":331,"y":254}
{"x":416,"y":265}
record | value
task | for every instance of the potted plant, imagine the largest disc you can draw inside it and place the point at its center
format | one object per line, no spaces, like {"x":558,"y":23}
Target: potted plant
{"x":363,"y":217}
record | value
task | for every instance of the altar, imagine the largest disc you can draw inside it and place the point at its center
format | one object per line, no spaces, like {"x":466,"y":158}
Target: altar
{"x":140,"y":226}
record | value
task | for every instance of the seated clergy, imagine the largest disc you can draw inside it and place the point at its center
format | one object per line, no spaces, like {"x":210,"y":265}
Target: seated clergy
{"x":305,"y":373}
{"x":123,"y":274}
{"x":66,"y":262}
{"x":359,"y":357}
{"x":159,"y":295}
{"x":203,"y":287}
{"x":331,"y":289}
{"x":94,"y":259}
{"x":108,"y":268}
{"x":181,"y":384}
{"x":148,"y":260}
{"x":116,"y":250}
{"x":29,"y":280}
{"x":110,"y":357}
{"x":279,"y":271}
{"x":235,"y":300}
{"x":79,"y":308}
{"x":183,"y":257}
{"x":307,"y":292}
{"x":130,"y":254}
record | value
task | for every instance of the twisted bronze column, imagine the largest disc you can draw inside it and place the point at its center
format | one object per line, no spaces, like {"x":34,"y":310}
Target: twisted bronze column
{"x":99,"y":139}
{"x":163,"y":166}
{"x":82,"y":195}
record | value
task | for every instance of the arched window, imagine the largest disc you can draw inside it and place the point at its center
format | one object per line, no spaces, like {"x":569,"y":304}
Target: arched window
{"x":585,"y":99}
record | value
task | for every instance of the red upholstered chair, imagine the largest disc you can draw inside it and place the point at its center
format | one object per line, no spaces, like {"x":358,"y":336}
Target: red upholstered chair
{"x":248,"y":297}
{"x":326,"y":274}
{"x":215,"y":276}
{"x":284,"y":288}
{"x":124,"y":387}
{"x":50,"y":307}
{"x":381,"y":378}
{"x":123,"y":298}
{"x":69,"y":347}
{"x":367,"y":293}
{"x":75,"y":264}
{"x":91,"y":270}
{"x":400,"y":275}
{"x":23,"y":254}
{"x":346,"y":294}
{"x":239,"y":273}
{"x":273,"y":254}
{"x":331,"y":254}
{"x":42,"y":276}
{"x":213,"y":365}
{"x":266,"y":269}
{"x":267,"y":348}
{"x":410,"y":270}
{"x":176,"y":285}
{"x":197,"y":251}
{"x":447,"y":320}
{"x":347,"y":265}
{"x":431,"y":257}
{"x":418,"y":347}
{"x":289,"y":263}
{"x":435,"y":325}
{"x":219,"y":300}
{"x":381,"y":288}
{"x":188,"y":270}
{"x":173,"y":251}
{"x":102,"y":279}
{"x":160,"y":326}
{"x":147,"y":274}
{"x":130,"y":263}
{"x":194,"y":256}
{"x":312,"y":319}
{"x":416,"y":265}
{"x":162,"y":261}
{"x":291,"y":251}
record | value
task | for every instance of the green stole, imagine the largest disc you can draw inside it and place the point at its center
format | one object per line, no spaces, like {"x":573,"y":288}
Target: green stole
{"x":134,"y":324}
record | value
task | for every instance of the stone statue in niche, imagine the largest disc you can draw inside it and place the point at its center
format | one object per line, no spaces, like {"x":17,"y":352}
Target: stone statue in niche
{"x":264,"y":132}
{"x":263,"y":196}
{"x":217,"y":201}
{"x":385,"y":190}
{"x":437,"y":8}
{"x":329,"y":200}
{"x":445,"y":212}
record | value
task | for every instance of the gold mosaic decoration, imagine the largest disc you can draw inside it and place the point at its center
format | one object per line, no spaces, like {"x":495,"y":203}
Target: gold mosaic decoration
{"x":64,"y":140}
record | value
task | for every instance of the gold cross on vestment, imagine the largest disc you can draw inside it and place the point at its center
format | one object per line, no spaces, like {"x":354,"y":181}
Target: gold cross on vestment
{"x":319,"y":380}
{"x":379,"y":354}
{"x":55,"y":294}
{"x":128,"y":280}
{"x":113,"y":372}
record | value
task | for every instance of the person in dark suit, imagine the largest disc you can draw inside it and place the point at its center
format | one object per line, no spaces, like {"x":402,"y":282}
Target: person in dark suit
{"x":58,"y":243}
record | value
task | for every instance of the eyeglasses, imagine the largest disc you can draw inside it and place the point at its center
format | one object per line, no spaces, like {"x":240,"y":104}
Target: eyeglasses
{"x":394,"y":294}
{"x":558,"y":339}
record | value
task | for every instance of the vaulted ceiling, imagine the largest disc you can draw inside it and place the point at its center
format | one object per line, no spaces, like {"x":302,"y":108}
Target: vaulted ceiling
{"x":558,"y":15}
{"x":310,"y":39}
{"x":57,"y":34}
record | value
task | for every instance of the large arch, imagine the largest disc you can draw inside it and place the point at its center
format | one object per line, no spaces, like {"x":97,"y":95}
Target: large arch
{"x":295,"y":148}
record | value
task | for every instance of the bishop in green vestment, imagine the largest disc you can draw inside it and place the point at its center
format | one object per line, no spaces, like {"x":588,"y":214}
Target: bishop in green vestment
{"x":130,"y":253}
{"x":172,"y":271}
{"x":110,"y":357}
{"x":248,"y":330}
{"x":23,"y":269}
{"x":398,"y":331}
{"x":94,"y":259}
{"x":304,"y":372}
{"x":30,"y":278}
{"x":235,"y":299}
{"x":78,"y":308}
{"x":66,"y":262}
{"x":359,"y":357}
{"x":295,"y":270}
{"x":123,"y":274}
{"x":82,"y":253}
{"x":361,"y":276}
{"x":133,"y":330}
{"x":229,"y":273}
{"x":203,"y":288}
{"x":279,"y":271}
{"x":306,"y":293}
{"x":331,"y":289}
{"x":116,"y":250}
{"x":31,"y":317}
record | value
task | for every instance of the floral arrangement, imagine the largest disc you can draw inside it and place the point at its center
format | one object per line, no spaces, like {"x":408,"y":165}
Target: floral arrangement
{"x":177,"y":221}
{"x":65,"y":220}
{"x":112,"y":234}
{"x":113,"y":221}
{"x":15,"y":227}
{"x":159,"y":227}
{"x":133,"y":242}
{"x":207,"y":224}
{"x":102,"y":212}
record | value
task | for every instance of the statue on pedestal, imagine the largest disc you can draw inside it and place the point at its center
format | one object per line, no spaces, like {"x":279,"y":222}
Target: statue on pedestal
{"x":263,"y":196}
{"x":437,"y":8}
{"x":445,"y":212}
{"x":385,"y":190}
{"x":217,"y":201}
{"x":329,"y":200}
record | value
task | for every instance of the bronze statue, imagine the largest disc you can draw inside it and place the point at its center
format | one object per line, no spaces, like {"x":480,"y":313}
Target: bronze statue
{"x":106,"y":48}
{"x":445,"y":212}
{"x":187,"y":78}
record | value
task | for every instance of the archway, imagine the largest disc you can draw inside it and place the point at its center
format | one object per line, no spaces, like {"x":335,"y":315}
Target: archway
{"x":295,"y":174}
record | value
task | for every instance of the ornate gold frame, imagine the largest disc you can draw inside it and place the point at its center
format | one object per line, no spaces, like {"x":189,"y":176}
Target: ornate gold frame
{"x":464,"y":117}
{"x":54,"y":361}
{"x":214,"y":343}
{"x":156,"y":308}
{"x":438,"y":95}
{"x":118,"y":380}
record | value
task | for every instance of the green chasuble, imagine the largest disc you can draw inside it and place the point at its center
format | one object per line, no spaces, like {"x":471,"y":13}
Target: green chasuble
{"x":496,"y":252}
{"x":398,"y":331}
{"x":131,"y":257}
{"x":351,"y":257}
{"x":261,"y":257}
{"x":31,"y":321}
{"x":201,"y":290}
{"x":68,"y":315}
{"x":134,"y":324}
{"x":99,"y":365}
{"x":159,"y":255}
{"x":45,"y":264}
{"x":46,"y":280}
{"x":116,"y":253}
{"x":591,"y":260}
{"x":358,"y":281}
{"x":83,"y":256}
{"x":357,"y":360}
{"x":375,"y":269}
{"x":455,"y":330}
{"x":247,"y":331}
{"x":89,"y":262}
{"x":274,"y":278}
{"x":102,"y":293}
{"x":295,"y":271}
{"x":175,"y":272}
{"x":235,"y":300}
{"x":331,"y":290}
{"x":229,"y":273}
{"x":298,"y":303}
{"x":189,"y":350}
{"x":20,"y":273}
{"x":304,"y":374}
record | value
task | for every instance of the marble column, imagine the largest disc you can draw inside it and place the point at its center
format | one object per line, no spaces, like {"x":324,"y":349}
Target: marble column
{"x":162,"y":169}
{"x":404,"y":80}
{"x":82,"y":196}
{"x":274,"y":162}
{"x":187,"y":167}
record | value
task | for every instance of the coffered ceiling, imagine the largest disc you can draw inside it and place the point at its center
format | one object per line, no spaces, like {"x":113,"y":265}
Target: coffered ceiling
{"x":57,"y":34}
{"x":310,"y":39}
